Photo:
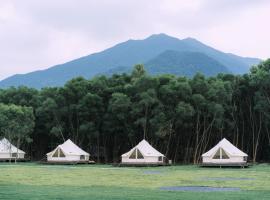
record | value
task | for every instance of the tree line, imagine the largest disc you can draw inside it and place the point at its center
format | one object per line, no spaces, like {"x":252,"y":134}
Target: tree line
{"x":182,"y":117}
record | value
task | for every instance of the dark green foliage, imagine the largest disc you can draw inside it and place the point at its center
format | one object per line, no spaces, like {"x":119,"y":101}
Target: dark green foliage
{"x":16,"y":123}
{"x":182,"y":117}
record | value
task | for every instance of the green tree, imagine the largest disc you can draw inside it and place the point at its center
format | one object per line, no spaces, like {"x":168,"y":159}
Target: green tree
{"x":16,"y":123}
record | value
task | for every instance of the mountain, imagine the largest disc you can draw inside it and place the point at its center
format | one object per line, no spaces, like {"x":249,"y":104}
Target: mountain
{"x":184,"y":63}
{"x":127,"y":54}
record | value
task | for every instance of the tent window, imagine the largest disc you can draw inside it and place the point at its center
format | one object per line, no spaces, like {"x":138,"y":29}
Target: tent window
{"x":61,"y":154}
{"x":139,"y":155}
{"x":82,"y":157}
{"x":160,"y":158}
{"x":55,"y":155}
{"x":220,"y":154}
{"x":14,"y":155}
{"x":133,"y":155}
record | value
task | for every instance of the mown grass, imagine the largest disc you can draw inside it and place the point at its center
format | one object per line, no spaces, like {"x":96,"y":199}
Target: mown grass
{"x":33,"y":181}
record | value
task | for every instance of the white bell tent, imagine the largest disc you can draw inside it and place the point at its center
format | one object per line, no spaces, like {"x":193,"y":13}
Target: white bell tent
{"x":68,"y":152}
{"x":143,"y":153}
{"x":224,"y":153}
{"x":9,"y":151}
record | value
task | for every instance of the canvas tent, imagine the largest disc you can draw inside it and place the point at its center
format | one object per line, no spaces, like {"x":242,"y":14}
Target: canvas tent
{"x":143,"y":153}
{"x":68,"y":152}
{"x":9,"y":151}
{"x":224,"y":153}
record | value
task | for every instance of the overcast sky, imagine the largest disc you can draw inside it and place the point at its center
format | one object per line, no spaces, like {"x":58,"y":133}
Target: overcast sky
{"x":37,"y":34}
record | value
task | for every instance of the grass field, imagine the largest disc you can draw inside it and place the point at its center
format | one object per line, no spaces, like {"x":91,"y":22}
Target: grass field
{"x":47,"y":182}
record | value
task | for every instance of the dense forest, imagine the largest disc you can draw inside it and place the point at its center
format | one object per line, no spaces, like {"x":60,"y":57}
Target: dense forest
{"x":182,"y":117}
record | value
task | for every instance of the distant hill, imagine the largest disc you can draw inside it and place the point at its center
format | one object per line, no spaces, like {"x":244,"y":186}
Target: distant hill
{"x":157,"y":52}
{"x":184,"y":63}
{"x":178,"y":63}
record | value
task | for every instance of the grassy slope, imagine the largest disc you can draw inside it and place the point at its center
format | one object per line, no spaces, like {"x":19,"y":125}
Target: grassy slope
{"x":32,"y":181}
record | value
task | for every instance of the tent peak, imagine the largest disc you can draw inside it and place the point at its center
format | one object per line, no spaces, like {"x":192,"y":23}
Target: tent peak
{"x":224,"y":140}
{"x":69,"y":141}
{"x":143,"y":141}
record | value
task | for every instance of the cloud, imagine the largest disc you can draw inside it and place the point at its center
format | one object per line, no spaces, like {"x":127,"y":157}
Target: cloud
{"x":38,"y":34}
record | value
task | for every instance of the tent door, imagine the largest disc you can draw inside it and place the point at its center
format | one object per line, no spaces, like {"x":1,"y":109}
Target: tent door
{"x":220,"y":154}
{"x":61,"y":153}
{"x":55,"y":155}
{"x":58,"y":154}
{"x":133,"y":155}
{"x":136,"y":154}
{"x":139,"y":155}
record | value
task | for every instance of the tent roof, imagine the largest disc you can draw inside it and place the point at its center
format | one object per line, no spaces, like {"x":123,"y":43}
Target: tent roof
{"x":226,"y":146}
{"x":7,"y":147}
{"x":145,"y":148}
{"x":69,"y":148}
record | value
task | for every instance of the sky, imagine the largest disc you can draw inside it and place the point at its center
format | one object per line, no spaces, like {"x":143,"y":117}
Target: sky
{"x":37,"y":34}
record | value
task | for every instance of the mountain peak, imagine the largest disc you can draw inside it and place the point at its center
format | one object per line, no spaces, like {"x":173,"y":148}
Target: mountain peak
{"x":161,"y":36}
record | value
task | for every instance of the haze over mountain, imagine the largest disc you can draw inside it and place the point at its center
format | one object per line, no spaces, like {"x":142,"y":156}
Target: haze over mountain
{"x":160,"y":53}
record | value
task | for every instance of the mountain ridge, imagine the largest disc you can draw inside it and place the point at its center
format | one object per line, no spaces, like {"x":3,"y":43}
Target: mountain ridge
{"x":125,"y":54}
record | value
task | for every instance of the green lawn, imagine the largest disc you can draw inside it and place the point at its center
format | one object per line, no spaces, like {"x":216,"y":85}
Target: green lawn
{"x":33,"y":181}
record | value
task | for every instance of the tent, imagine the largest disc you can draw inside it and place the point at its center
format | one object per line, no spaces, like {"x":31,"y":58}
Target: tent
{"x":9,"y":151}
{"x":143,"y":153}
{"x":224,"y":153}
{"x":68,"y":152}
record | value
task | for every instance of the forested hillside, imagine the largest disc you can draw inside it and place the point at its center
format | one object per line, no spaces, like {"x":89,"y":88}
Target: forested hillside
{"x":182,"y":117}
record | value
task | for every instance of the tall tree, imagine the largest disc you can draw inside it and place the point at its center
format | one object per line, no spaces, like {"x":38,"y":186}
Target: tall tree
{"x":16,"y":123}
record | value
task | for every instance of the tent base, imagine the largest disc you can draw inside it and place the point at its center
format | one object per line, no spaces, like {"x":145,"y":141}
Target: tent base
{"x":140,"y":164}
{"x":67,"y":162}
{"x":13,"y":160}
{"x":242,"y":165}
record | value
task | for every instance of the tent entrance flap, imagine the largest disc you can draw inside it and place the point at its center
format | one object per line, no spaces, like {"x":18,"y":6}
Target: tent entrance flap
{"x":220,"y":154}
{"x":136,"y":154}
{"x":61,"y":154}
{"x":58,"y":154}
{"x":139,"y":155}
{"x":133,"y":155}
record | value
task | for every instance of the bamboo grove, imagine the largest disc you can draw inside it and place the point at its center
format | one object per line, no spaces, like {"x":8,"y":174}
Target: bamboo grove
{"x":183,"y":117}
